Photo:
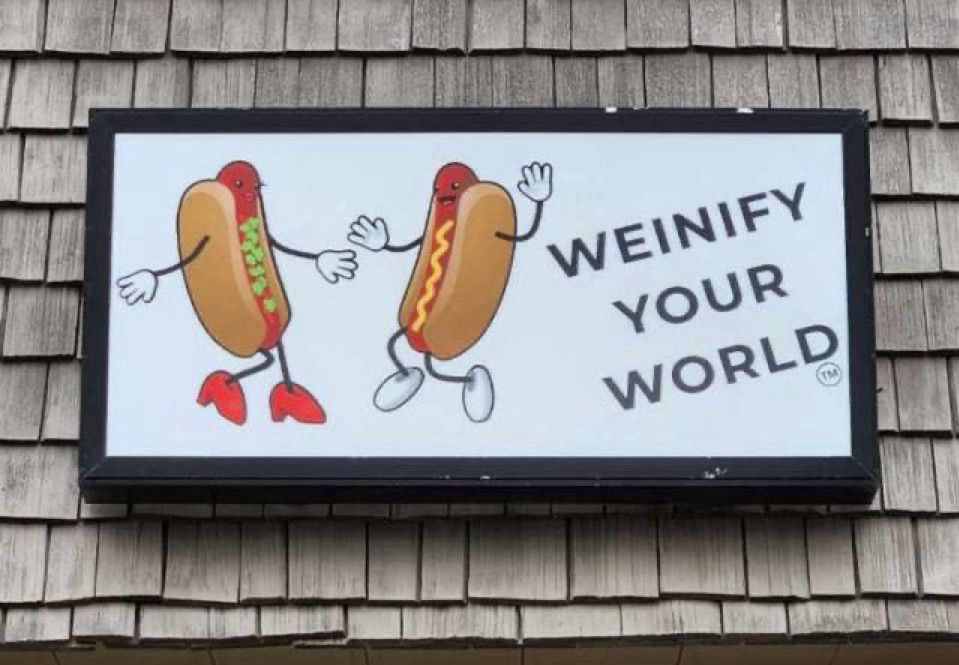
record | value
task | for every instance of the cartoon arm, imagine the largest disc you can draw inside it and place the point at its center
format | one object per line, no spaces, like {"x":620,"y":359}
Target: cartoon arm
{"x":375,"y":236}
{"x":331,"y":263}
{"x":142,"y":284}
{"x":537,"y":186}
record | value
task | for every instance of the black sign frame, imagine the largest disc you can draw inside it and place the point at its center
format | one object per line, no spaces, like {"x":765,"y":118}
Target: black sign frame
{"x":848,"y":479}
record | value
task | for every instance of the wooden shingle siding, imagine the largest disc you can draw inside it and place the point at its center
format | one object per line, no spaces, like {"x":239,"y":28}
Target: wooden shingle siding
{"x":598,"y":25}
{"x":327,"y":560}
{"x":255,"y":26}
{"x":932,"y":24}
{"x":23,"y":243}
{"x":202,"y":562}
{"x":740,"y":81}
{"x":140,"y":26}
{"x":375,"y":25}
{"x":829,"y":547}
{"x":776,"y":552}
{"x":885,"y":555}
{"x":21,"y":25}
{"x":657,"y":23}
{"x":548,"y":24}
{"x":311,"y":25}
{"x":79,"y":27}
{"x":23,"y":549}
{"x":613,"y":557}
{"x":105,"y":621}
{"x":876,"y":24}
{"x":42,"y":94}
{"x":351,"y":577}
{"x":923,"y":393}
{"x":130,"y":559}
{"x":702,"y":555}
{"x":475,"y":622}
{"x":713,"y":23}
{"x":496,"y":24}
{"x":536,"y":549}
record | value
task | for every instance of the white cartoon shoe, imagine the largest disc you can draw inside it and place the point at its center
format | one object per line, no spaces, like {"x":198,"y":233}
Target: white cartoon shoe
{"x":478,"y":394}
{"x":398,"y":389}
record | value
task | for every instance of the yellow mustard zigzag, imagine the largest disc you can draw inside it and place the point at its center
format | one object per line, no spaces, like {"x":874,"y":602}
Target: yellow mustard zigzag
{"x":442,"y":247}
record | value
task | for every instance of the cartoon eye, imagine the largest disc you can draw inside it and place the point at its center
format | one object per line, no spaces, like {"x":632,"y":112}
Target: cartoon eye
{"x":456,"y":185}
{"x":238,"y":183}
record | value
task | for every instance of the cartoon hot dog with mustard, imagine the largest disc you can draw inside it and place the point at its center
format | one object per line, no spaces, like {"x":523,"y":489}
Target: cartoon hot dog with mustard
{"x":458,"y":281}
{"x":228,"y":265}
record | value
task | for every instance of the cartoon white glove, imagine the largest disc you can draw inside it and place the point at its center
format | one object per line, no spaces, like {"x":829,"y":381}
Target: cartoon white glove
{"x":371,"y":234}
{"x":333,"y":264}
{"x":137,"y":286}
{"x":537,"y":182}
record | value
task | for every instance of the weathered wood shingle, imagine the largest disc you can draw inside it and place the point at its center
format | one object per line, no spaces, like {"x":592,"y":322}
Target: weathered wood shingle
{"x":811,"y":24}
{"x":713,"y":23}
{"x":311,"y":25}
{"x":908,"y":475}
{"x":331,"y":82}
{"x":830,"y":550}
{"x":548,"y":24}
{"x":404,"y":81}
{"x":544,"y":623}
{"x":71,"y":563}
{"x":598,"y":25}
{"x":104,"y":621}
{"x":22,"y":386}
{"x":831,"y":617}
{"x":374,"y":25}
{"x":255,"y":26}
{"x":657,"y":23}
{"x":41,"y":321}
{"x":102,"y":84}
{"x":40,"y":625}
{"x":575,"y":81}
{"x":932,"y":24}
{"x":752,"y":618}
{"x":740,"y":81}
{"x":702,"y":555}
{"x":21,"y":25}
{"x":327,"y":560}
{"x":776,"y":555}
{"x":759,"y":23}
{"x":79,"y":27}
{"x":522,"y":81}
{"x":536,"y":550}
{"x":65,"y":257}
{"x":885,"y":555}
{"x":277,"y":82}
{"x":23,"y":549}
{"x":472,"y":622}
{"x":938,"y":546}
{"x":262,"y":561}
{"x":439,"y":25}
{"x":945,"y":78}
{"x":443,"y":561}
{"x":613,"y":557}
{"x":946,"y":458}
{"x":313,"y":621}
{"x":162,"y":82}
{"x":678,"y":80}
{"x":849,"y":82}
{"x":908,"y":237}
{"x":202,"y":562}
{"x":10,"y":151}
{"x":39,"y":482}
{"x":464,"y":81}
{"x":195,"y":25}
{"x":876,"y":24}
{"x":23,"y":243}
{"x":130,"y":559}
{"x":495,"y":24}
{"x":54,"y":169}
{"x":393,"y":550}
{"x":671,"y":617}
{"x":923,"y":394}
{"x":900,"y":319}
{"x":219,"y":83}
{"x":904,"y":88}
{"x":140,"y":26}
{"x":42,"y":94}
{"x":793,"y":80}
{"x":942,"y":313}
{"x":889,"y":161}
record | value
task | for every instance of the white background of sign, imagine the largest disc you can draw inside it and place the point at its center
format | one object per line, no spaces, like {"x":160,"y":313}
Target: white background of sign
{"x":554,"y":337}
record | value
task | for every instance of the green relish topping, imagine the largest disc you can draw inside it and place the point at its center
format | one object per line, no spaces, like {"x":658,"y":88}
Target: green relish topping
{"x":253,"y":256}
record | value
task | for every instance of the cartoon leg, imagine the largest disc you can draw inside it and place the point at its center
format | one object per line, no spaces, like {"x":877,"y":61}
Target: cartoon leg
{"x":478,"y":397}
{"x":291,"y":399}
{"x":223,"y":390}
{"x":397,"y":389}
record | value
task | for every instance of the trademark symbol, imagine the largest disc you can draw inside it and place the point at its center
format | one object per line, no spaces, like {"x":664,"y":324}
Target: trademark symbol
{"x":829,"y":374}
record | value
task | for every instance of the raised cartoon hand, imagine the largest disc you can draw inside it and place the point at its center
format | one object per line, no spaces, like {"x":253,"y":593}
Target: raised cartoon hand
{"x":371,"y":234}
{"x":333,"y":264}
{"x":137,"y":286}
{"x":537,"y":182}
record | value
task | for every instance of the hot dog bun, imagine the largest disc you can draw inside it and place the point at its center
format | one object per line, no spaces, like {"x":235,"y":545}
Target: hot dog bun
{"x":475,"y":275}
{"x":217,"y":279}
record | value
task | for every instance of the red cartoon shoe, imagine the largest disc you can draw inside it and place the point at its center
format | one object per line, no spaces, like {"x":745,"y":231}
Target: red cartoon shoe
{"x":297,"y":402}
{"x":225,"y":394}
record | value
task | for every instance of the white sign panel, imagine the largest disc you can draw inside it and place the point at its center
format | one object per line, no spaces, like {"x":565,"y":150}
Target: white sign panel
{"x":478,"y":294}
